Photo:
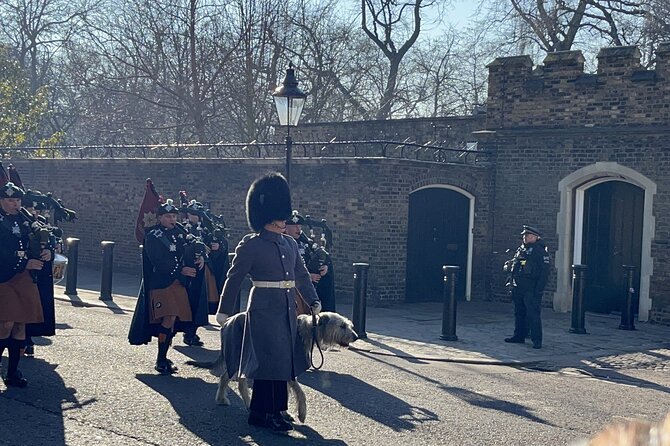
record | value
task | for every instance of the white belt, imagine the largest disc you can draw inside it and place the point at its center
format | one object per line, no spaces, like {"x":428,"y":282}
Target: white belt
{"x":278,"y":284}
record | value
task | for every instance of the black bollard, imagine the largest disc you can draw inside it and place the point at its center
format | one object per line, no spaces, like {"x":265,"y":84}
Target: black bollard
{"x":449,"y":308}
{"x":107,"y":259}
{"x":72,"y":261}
{"x":578,"y":282}
{"x":628,"y":312}
{"x":360,"y":298}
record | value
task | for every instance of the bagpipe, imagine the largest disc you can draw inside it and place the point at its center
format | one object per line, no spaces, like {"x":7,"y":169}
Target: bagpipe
{"x":194,"y":248}
{"x":35,"y":198}
{"x":215,"y":228}
{"x":43,"y":236}
{"x":317,"y":251}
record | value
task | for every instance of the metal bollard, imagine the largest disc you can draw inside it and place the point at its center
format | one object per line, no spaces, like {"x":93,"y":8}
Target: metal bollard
{"x":107,"y":267}
{"x":578,"y":282}
{"x":628,"y":312}
{"x":449,"y":309}
{"x":360,"y":298}
{"x":72,"y":261}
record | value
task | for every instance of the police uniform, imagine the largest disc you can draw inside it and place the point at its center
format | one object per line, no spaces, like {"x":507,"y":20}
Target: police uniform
{"x":271,"y":353}
{"x":528,"y":272}
{"x":19,"y":296}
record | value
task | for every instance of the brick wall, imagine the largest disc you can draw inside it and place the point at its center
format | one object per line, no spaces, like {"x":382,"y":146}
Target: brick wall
{"x":553,"y":120}
{"x":365,"y":202}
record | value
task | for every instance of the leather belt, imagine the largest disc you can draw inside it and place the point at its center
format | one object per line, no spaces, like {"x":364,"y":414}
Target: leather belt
{"x":284,"y":284}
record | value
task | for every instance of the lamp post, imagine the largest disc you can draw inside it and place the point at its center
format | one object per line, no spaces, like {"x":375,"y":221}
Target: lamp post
{"x":289,"y":100}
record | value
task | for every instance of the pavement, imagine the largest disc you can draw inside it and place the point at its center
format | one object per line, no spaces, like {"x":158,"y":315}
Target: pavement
{"x":412,"y":330}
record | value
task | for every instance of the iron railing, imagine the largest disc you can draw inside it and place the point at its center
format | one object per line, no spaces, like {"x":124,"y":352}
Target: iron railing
{"x":464,"y":153}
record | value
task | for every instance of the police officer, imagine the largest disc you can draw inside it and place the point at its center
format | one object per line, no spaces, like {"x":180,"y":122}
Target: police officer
{"x":528,"y":272}
{"x":19,"y":296}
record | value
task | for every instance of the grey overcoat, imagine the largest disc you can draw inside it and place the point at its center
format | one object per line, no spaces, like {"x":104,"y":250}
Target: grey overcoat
{"x":271,"y":349}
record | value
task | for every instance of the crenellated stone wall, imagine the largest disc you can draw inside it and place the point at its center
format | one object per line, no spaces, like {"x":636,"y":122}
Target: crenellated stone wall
{"x":548,"y":122}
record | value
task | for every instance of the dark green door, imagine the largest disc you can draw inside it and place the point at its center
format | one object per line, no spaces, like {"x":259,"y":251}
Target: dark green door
{"x":612,"y":237}
{"x":437,"y":235}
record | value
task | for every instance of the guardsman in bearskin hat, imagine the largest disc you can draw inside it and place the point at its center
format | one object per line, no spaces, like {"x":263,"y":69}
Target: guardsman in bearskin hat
{"x":165,"y":300}
{"x":528,"y":272}
{"x":19,"y":296}
{"x":270,"y":353}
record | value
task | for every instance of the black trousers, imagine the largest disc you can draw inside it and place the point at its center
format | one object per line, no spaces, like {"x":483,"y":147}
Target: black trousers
{"x":527,"y":314}
{"x":269,"y":396}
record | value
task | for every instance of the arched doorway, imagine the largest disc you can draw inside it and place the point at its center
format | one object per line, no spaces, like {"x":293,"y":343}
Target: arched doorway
{"x":438,"y":233}
{"x":570,"y":228}
{"x":611,"y":237}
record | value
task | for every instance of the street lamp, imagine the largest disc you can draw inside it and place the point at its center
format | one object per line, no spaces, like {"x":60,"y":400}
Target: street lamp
{"x":289,"y":100}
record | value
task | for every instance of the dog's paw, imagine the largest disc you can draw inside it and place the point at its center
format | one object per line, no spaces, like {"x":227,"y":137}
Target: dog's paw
{"x":222,"y":399}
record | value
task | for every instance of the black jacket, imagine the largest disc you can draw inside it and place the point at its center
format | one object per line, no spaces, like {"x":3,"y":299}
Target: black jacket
{"x":14,"y":245}
{"x":164,"y":249}
{"x":530,"y":267}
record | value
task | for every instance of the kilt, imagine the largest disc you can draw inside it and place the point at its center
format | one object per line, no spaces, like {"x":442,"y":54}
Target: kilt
{"x":170,"y":301}
{"x":210,"y":283}
{"x":20,"y":300}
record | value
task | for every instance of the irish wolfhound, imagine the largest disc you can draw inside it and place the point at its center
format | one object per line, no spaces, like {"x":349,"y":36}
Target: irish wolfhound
{"x":332,"y":329}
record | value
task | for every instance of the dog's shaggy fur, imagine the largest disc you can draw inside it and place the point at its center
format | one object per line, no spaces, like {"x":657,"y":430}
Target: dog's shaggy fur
{"x":332,"y":329}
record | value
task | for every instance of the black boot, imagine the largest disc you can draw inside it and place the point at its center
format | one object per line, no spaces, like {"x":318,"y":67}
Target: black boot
{"x":191,"y":338}
{"x":163,"y":365}
{"x":3,"y":346}
{"x":14,"y":377}
{"x":29,"y":350}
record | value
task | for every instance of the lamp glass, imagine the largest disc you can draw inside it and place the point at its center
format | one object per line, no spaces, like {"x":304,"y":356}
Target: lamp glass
{"x":289,"y":109}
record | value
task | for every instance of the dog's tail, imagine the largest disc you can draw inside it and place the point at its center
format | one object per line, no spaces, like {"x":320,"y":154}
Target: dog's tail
{"x":216,"y":367}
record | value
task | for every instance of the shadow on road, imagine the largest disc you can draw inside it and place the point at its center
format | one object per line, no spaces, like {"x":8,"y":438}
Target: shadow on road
{"x":367,"y":400}
{"x":36,"y":413}
{"x":487,"y":402}
{"x":193,"y":400}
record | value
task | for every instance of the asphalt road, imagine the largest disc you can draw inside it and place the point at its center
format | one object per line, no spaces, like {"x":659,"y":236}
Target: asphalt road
{"x":88,"y":386}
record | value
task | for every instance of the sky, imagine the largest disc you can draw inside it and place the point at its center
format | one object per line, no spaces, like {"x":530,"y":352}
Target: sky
{"x":457,"y":14}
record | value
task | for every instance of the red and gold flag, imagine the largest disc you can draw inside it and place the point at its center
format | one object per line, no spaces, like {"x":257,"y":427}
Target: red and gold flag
{"x":147,"y":215}
{"x":4,"y":178}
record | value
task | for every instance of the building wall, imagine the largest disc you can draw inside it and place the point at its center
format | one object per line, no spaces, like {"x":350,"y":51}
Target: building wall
{"x":365,"y":202}
{"x":549,"y":122}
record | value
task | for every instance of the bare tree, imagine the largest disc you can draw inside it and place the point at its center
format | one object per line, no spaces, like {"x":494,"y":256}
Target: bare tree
{"x":382,"y":20}
{"x":169,"y":54}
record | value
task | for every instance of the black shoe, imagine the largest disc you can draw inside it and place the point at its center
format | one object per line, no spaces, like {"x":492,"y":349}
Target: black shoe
{"x":277,"y":423}
{"x":537,"y":345}
{"x":256,"y":419}
{"x":515,"y":340}
{"x":16,"y":381}
{"x":273,"y":422}
{"x":165,"y":367}
{"x":287,"y":417}
{"x":29,"y":350}
{"x":193,"y":341}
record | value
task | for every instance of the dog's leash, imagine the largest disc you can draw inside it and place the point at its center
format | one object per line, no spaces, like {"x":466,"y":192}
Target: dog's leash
{"x":315,"y":341}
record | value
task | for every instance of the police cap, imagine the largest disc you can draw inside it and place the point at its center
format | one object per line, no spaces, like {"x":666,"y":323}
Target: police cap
{"x":530,"y":230}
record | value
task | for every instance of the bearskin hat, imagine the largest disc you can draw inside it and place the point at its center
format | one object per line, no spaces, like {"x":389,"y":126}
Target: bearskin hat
{"x":268,"y":199}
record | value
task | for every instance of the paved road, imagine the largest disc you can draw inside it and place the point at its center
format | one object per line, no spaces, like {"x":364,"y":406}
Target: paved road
{"x":89,"y":386}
